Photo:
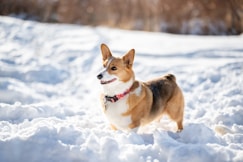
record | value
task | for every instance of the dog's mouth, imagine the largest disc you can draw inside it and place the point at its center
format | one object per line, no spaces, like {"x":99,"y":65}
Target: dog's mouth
{"x":107,"y":82}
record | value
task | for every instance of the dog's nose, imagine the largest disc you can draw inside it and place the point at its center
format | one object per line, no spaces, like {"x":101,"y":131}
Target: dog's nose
{"x":100,"y":76}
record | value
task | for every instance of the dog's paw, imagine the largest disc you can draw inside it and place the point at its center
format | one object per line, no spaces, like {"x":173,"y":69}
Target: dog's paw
{"x":179,"y":131}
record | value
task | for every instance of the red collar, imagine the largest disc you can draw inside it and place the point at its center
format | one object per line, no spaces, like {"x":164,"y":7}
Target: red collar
{"x":118,"y":96}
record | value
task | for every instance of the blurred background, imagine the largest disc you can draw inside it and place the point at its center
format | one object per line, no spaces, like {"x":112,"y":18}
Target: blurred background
{"x":201,"y":17}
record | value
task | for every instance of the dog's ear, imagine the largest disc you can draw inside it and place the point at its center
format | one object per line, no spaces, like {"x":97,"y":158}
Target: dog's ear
{"x":128,"y":58}
{"x":106,"y":53}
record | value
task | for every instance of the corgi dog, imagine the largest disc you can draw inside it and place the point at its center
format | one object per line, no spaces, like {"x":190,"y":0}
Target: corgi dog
{"x":128,"y":103}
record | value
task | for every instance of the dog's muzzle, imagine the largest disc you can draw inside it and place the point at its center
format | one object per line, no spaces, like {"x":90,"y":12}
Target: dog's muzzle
{"x":100,"y":76}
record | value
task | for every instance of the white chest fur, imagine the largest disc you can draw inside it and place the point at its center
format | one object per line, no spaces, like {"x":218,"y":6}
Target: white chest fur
{"x":114,"y":113}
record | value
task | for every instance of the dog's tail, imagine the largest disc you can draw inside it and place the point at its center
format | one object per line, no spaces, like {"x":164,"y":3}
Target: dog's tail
{"x":170,"y":77}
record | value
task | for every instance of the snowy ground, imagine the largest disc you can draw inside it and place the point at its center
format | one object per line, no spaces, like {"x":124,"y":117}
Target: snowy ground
{"x":49,"y":95}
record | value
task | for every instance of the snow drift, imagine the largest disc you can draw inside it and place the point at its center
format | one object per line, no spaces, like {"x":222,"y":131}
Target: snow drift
{"x":49,"y":95}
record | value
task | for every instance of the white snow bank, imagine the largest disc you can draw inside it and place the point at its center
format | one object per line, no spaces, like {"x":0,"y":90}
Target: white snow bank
{"x":49,"y":95}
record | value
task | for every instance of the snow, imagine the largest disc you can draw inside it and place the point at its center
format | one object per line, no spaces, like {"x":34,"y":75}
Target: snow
{"x":49,"y":95}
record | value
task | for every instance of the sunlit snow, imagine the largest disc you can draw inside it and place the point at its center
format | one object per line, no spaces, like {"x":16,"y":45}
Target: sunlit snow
{"x":49,"y":95}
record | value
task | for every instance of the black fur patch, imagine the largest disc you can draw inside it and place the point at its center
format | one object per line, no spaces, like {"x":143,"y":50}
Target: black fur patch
{"x":162,"y":91}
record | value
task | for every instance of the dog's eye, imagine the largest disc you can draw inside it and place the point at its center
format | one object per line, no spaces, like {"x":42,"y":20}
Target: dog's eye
{"x":113,"y":68}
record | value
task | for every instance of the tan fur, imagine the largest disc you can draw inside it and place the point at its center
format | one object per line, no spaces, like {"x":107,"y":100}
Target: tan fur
{"x":147,"y":101}
{"x":139,"y":107}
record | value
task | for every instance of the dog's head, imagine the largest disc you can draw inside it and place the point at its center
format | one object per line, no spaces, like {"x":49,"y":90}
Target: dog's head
{"x":116,"y":70}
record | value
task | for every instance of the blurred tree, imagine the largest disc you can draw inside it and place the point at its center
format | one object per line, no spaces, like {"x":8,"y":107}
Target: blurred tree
{"x":174,"y":16}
